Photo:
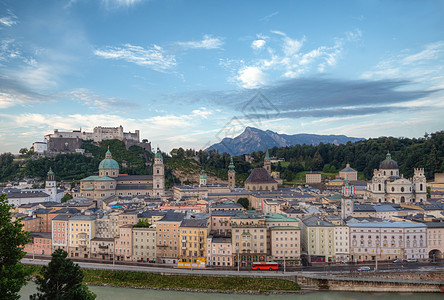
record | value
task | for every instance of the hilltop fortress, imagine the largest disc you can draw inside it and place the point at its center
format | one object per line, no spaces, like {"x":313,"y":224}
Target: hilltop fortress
{"x":71,"y":141}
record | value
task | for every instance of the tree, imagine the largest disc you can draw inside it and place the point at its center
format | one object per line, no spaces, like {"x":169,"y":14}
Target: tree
{"x":244,"y":202}
{"x":23,"y":151}
{"x":12,"y":240}
{"x":61,"y":279}
{"x":66,"y":197}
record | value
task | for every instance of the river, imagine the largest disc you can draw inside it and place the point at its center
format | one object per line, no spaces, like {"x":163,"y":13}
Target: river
{"x":110,"y":293}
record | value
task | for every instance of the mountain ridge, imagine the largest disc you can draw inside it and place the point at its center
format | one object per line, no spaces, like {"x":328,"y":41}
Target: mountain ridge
{"x":253,"y":139}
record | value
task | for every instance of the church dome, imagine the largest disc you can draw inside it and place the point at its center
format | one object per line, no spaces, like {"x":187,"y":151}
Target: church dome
{"x":388,"y":163}
{"x":108,"y":162}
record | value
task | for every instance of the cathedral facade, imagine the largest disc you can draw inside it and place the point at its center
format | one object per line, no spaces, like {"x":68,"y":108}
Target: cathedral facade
{"x":388,"y":185}
{"x":110,"y":182}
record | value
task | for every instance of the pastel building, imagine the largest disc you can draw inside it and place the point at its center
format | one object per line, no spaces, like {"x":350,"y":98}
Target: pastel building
{"x":219,"y":251}
{"x":60,"y":232}
{"x":318,"y":239}
{"x":81,"y":229}
{"x":249,"y":238}
{"x":193,"y":239}
{"x":124,"y":243}
{"x":387,"y":240}
{"x":144,"y":244}
{"x":168,"y":238}
{"x":285,"y":242}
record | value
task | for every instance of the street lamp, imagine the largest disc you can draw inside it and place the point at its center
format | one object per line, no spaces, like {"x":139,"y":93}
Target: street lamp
{"x":285,"y":266}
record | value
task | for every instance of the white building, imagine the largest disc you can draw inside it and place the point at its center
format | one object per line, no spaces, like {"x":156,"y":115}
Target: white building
{"x":341,"y":244}
{"x":387,"y":240}
{"x":388,"y":186}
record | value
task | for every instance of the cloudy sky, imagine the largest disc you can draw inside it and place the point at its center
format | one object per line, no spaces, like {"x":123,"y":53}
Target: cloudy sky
{"x":188,"y":73}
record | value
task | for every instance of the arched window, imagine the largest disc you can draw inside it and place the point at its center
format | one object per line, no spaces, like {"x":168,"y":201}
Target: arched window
{"x":402,"y":199}
{"x":420,"y":187}
{"x":402,"y":189}
{"x":391,"y":173}
{"x":393,"y":189}
{"x":379,"y":187}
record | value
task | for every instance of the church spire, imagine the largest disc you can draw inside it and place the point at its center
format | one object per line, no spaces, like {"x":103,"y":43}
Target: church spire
{"x":231,"y":165}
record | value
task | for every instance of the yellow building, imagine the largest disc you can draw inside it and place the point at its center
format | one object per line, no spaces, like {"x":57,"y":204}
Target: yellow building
{"x":168,"y":238}
{"x":81,"y":229}
{"x":317,"y":239}
{"x":193,"y":239}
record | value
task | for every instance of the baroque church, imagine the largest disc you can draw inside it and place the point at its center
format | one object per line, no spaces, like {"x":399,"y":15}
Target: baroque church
{"x":110,"y":182}
{"x":388,"y":186}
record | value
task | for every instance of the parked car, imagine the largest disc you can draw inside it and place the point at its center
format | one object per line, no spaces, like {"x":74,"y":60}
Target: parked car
{"x":364,"y":269}
{"x":398,"y":260}
{"x":412,"y":260}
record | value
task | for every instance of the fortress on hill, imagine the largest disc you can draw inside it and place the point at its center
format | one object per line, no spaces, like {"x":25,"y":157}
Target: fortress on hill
{"x":71,"y":141}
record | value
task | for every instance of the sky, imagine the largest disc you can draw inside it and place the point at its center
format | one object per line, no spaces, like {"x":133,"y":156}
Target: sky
{"x":190,"y":73}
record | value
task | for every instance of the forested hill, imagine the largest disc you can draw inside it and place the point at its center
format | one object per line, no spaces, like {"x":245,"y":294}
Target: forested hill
{"x":76,"y":166}
{"x":364,"y":156}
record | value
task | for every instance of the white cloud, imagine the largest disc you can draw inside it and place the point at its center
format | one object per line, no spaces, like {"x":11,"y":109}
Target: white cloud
{"x":268,"y":17}
{"x":292,"y":46}
{"x":154,"y":58}
{"x":9,"y":20}
{"x":258,"y":44}
{"x":97,"y":102}
{"x":251,"y":77}
{"x":110,"y":4}
{"x":208,"y":42}
{"x":424,"y":65}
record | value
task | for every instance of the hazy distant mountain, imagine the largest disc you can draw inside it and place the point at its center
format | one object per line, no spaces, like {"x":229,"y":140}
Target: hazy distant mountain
{"x":253,"y":139}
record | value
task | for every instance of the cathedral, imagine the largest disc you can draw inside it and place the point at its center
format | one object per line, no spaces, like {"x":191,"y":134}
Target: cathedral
{"x":388,"y":186}
{"x":110,"y":182}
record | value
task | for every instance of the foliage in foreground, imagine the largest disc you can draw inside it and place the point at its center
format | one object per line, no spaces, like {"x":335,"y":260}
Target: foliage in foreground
{"x":13,"y":275}
{"x":62,"y":279}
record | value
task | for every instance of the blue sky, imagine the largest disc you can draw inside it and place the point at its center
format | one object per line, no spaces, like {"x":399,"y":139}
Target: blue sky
{"x":188,"y":73}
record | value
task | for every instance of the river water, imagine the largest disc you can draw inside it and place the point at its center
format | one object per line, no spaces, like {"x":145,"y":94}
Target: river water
{"x":111,"y":293}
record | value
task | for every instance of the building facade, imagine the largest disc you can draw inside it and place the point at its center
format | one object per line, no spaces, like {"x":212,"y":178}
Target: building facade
{"x":388,"y":185}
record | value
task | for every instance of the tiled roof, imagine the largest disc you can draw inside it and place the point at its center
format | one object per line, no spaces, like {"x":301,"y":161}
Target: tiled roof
{"x":260,"y":175}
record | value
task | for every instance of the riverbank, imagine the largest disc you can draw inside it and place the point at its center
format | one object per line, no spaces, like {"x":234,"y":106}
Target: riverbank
{"x":189,"y":283}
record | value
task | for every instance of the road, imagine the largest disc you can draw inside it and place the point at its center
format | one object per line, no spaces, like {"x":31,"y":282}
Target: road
{"x":333,"y":269}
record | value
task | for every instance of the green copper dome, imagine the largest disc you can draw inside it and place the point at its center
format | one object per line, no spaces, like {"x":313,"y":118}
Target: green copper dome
{"x":158,"y":154}
{"x":203,"y":176}
{"x":50,"y":172}
{"x":108,"y":162}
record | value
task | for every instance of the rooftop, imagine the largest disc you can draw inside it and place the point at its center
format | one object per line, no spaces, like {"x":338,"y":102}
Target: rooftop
{"x":260,"y":175}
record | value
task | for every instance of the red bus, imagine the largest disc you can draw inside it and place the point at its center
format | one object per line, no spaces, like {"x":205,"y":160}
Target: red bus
{"x":264,"y":266}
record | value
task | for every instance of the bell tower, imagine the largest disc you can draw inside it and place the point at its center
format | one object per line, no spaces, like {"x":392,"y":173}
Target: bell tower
{"x":50,"y":186}
{"x":158,"y":174}
{"x":231,"y":175}
{"x":267,"y":162}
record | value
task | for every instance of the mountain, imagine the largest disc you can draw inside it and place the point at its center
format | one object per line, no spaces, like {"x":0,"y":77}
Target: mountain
{"x":253,"y":139}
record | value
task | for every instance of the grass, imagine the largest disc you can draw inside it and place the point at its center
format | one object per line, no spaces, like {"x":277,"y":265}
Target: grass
{"x":151,"y":280}
{"x":181,"y":282}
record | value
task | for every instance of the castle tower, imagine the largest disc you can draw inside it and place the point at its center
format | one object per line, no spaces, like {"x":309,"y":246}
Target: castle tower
{"x":202,"y":178}
{"x":267,"y":162}
{"x":158,"y":174}
{"x":419,"y":185}
{"x":231,"y":175}
{"x":50,"y":186}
